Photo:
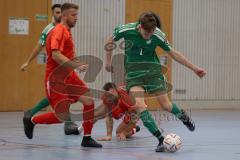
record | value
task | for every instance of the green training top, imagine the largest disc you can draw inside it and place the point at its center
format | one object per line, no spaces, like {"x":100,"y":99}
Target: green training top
{"x":44,"y":34}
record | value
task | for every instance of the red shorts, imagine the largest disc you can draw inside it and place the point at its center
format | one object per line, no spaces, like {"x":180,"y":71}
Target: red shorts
{"x":62,"y":94}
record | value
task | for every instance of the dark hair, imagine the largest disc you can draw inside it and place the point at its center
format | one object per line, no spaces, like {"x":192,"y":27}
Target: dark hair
{"x":67,"y":6}
{"x":56,"y":6}
{"x":148,"y":21}
{"x":159,"y":25}
{"x":109,"y":85}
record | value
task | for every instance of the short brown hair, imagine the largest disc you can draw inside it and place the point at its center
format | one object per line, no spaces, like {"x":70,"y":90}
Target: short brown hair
{"x":67,"y":6}
{"x":148,"y":21}
{"x":109,"y":85}
{"x":56,"y":6}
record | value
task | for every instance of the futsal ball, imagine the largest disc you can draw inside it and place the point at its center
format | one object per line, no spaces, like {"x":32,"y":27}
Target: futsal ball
{"x":172,"y":142}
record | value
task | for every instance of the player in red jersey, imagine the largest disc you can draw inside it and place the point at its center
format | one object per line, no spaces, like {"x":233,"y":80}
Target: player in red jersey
{"x":63,"y":86}
{"x":119,"y":105}
{"x":116,"y":104}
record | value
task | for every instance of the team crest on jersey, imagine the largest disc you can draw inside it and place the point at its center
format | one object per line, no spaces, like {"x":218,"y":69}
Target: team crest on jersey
{"x":149,"y":41}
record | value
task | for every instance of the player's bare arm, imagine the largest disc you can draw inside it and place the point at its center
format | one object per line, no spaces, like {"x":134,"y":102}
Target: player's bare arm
{"x":61,"y":59}
{"x":177,"y":56}
{"x":109,"y":126}
{"x":34,"y":54}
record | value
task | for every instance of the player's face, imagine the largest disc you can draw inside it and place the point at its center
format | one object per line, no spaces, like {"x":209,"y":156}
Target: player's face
{"x":71,"y":17}
{"x":113,"y":91}
{"x":57,"y":14}
{"x":146,"y":34}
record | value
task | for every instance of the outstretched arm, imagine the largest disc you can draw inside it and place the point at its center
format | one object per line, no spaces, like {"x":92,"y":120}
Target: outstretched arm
{"x":177,"y":56}
{"x":34,"y":54}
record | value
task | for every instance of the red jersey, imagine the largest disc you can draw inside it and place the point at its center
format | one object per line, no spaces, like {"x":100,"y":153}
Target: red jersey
{"x":60,"y":39}
{"x":123,"y":105}
{"x":125,"y":102}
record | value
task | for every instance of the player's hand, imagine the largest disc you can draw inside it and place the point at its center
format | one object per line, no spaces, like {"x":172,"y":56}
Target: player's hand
{"x":200,"y":72}
{"x":109,"y":67}
{"x":83,"y":68}
{"x":24,"y":66}
{"x":121,"y":137}
{"x":106,"y":138}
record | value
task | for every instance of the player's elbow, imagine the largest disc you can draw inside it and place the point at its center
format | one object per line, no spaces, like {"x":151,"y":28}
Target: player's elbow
{"x":174,"y":54}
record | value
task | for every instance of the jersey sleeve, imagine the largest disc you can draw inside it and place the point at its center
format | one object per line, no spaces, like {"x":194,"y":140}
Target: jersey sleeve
{"x":118,"y":33}
{"x":162,"y":41}
{"x":42,"y":39}
{"x":57,"y":39}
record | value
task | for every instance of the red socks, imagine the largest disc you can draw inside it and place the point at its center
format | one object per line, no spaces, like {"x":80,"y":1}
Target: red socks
{"x":88,"y":118}
{"x":47,"y":118}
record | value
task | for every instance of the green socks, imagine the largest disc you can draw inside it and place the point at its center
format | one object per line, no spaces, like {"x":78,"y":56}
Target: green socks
{"x":150,"y":124}
{"x":176,"y":110}
{"x":42,"y":104}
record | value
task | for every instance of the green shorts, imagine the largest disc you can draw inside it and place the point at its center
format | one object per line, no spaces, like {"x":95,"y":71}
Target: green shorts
{"x":151,"y":79}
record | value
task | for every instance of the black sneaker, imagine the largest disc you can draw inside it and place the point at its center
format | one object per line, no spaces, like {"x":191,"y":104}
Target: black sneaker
{"x":187,"y":121}
{"x":28,"y":125}
{"x":87,"y":141}
{"x":160,"y":148}
{"x":71,"y":128}
{"x":137,"y":128}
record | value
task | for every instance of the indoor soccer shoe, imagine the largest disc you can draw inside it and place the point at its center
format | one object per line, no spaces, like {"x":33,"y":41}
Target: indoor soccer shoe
{"x":71,"y":128}
{"x":87,"y":141}
{"x":160,"y":147}
{"x":137,"y":128}
{"x":28,"y":125}
{"x":187,"y":121}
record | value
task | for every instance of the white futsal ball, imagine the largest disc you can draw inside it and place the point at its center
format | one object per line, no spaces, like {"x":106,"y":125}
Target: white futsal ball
{"x":172,"y":142}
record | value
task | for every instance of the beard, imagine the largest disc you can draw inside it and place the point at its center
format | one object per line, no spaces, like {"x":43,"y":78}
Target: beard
{"x":58,"y":20}
{"x":71,"y":24}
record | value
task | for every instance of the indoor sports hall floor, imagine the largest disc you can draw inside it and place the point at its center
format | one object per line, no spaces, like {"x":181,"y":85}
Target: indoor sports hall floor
{"x":216,"y":138}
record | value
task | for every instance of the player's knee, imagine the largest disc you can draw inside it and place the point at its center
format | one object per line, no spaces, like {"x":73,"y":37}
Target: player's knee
{"x":86,"y":99}
{"x":140,"y":109}
{"x":140,"y":105}
{"x":167,"y":106}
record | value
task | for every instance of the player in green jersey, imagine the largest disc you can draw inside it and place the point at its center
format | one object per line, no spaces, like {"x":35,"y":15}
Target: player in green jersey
{"x":69,"y":127}
{"x":143,"y":69}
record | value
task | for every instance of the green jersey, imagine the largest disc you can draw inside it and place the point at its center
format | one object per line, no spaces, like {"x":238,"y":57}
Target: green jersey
{"x":44,"y":34}
{"x":138,"y":49}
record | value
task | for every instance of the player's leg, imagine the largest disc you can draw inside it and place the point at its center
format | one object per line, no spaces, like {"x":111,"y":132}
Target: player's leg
{"x":131,"y":118}
{"x":137,"y":93}
{"x":88,"y":120}
{"x":99,"y":113}
{"x":176,"y":110}
{"x":29,"y":113}
{"x":69,"y":127}
{"x":61,"y":108}
{"x":127,"y":127}
{"x":156,"y":83}
{"x":38,"y":107}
